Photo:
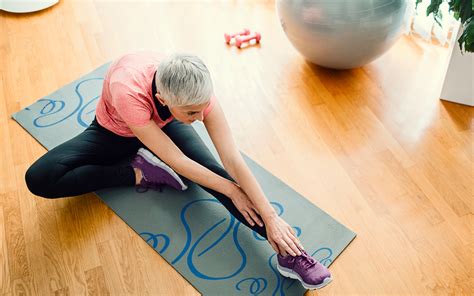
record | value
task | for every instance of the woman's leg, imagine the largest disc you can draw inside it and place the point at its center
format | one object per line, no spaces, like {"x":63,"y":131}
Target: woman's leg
{"x":85,"y":163}
{"x":186,"y":138}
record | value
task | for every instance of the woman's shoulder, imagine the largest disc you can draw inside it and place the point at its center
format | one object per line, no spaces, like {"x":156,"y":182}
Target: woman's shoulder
{"x":134,"y":68}
{"x":137,"y":60}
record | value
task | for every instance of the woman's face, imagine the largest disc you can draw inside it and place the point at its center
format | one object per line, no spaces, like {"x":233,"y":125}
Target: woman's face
{"x":189,"y":114}
{"x":185,"y":114}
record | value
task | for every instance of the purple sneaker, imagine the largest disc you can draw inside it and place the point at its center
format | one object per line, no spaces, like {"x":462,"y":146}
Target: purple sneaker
{"x":306,"y":269}
{"x":155,"y":172}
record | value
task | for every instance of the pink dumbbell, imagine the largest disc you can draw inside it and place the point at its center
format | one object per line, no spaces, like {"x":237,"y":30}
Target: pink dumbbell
{"x":241,"y":39}
{"x":229,"y":37}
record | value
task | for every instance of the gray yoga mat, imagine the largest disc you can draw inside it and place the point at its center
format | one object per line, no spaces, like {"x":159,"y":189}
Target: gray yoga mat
{"x":191,"y":229}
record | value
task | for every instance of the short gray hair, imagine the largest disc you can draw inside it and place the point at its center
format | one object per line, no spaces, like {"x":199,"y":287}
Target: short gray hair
{"x":183,"y":79}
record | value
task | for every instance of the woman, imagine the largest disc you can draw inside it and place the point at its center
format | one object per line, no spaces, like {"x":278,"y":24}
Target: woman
{"x":149,"y":100}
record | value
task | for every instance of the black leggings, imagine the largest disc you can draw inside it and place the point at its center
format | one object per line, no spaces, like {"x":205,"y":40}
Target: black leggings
{"x":90,"y":161}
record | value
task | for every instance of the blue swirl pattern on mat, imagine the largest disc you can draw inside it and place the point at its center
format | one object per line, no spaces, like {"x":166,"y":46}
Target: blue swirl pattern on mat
{"x":153,"y":238}
{"x":255,"y":285}
{"x":53,"y":106}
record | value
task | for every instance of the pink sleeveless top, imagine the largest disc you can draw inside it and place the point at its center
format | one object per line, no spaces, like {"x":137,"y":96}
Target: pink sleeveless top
{"x":127,"y":97}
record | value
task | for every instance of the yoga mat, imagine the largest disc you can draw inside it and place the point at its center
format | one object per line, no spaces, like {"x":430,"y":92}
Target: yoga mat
{"x":191,"y":229}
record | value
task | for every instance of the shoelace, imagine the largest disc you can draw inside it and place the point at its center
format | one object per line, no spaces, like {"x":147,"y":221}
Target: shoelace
{"x":306,"y":260}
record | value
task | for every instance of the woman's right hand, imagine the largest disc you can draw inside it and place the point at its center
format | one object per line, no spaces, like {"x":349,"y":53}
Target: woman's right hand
{"x":282,"y":237}
{"x":245,"y":206}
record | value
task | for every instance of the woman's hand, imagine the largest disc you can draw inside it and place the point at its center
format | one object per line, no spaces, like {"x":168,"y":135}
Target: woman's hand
{"x":245,"y":206}
{"x":281,"y":237}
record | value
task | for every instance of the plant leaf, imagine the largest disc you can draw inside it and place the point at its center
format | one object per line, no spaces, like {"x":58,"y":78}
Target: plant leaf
{"x":465,"y":10}
{"x":466,"y":40}
{"x":433,"y":8}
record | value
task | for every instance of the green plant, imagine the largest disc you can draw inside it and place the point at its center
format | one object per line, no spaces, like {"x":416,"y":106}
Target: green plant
{"x":463,"y":11}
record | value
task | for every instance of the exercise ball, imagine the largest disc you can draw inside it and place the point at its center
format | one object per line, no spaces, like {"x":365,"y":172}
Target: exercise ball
{"x":24,"y":6}
{"x":342,"y":34}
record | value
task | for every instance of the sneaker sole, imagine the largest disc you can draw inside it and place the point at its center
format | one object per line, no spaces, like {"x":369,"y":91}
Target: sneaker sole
{"x":293,"y":275}
{"x":157,"y":162}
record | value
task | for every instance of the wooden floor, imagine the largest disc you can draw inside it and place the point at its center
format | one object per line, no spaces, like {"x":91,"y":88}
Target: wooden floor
{"x":374,"y":147}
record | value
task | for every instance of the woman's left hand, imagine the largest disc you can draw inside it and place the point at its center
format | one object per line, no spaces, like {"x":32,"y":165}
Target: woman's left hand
{"x":245,"y":206}
{"x":282,"y":237}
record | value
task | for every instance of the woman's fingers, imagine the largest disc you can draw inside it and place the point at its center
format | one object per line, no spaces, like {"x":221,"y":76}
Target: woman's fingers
{"x":292,"y":246}
{"x":251,"y":216}
{"x":255,"y":217}
{"x":289,"y":246}
{"x":274,"y":246}
{"x":247,"y":217}
{"x":296,"y":241}
{"x":281,"y":250}
{"x":284,"y":245}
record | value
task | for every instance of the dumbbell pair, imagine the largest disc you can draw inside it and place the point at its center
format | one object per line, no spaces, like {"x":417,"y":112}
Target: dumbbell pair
{"x":241,"y":37}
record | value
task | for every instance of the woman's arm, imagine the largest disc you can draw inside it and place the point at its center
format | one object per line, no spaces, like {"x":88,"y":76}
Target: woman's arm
{"x":279,"y":234}
{"x":220,"y":133}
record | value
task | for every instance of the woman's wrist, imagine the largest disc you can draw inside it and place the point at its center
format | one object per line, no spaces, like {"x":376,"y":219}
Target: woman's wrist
{"x":268,"y":215}
{"x":230,"y":188}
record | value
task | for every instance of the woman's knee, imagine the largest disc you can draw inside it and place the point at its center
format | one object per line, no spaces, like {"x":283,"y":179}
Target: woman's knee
{"x":38,"y":181}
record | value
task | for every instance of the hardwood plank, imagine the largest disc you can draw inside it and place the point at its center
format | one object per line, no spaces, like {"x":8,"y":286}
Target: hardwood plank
{"x":96,"y":284}
{"x":36,"y":263}
{"x":15,"y":239}
{"x":5,"y":279}
{"x":22,"y":286}
{"x":56,"y":269}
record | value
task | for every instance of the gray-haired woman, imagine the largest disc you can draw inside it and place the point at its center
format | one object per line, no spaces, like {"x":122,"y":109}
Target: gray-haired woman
{"x":147,"y":104}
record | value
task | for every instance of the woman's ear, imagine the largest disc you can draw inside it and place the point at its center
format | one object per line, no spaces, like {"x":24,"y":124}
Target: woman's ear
{"x":160,"y":99}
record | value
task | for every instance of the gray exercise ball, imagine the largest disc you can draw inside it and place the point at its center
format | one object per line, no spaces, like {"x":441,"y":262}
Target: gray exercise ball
{"x":342,"y":34}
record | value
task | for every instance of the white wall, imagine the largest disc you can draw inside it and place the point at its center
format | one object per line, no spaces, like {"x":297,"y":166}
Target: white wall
{"x":459,"y":81}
